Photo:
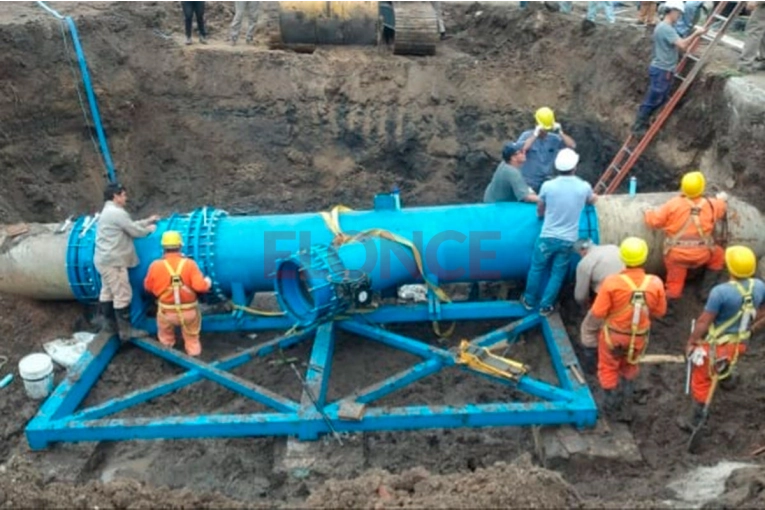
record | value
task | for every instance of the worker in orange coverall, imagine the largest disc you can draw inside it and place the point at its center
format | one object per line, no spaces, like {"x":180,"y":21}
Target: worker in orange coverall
{"x":688,"y":221}
{"x":722,"y":330}
{"x":625,"y":303}
{"x":176,"y":280}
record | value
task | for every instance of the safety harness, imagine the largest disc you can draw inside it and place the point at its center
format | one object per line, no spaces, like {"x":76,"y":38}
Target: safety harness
{"x":639,"y":307}
{"x":722,"y":368}
{"x":174,"y":290}
{"x":679,"y":238}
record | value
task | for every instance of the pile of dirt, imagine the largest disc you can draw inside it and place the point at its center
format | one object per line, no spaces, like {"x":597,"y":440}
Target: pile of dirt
{"x":22,"y":486}
{"x":516,"y":485}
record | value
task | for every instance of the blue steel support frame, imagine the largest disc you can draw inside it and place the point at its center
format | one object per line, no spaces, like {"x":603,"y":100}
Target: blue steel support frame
{"x":61,"y":418}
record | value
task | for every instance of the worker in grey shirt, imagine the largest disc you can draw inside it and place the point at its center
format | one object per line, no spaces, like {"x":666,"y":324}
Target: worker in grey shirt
{"x":114,"y":255}
{"x":597,"y":263}
{"x":667,"y":46}
{"x":507,"y":184}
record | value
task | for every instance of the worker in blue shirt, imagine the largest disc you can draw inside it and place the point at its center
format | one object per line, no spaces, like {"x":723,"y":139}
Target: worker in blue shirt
{"x":541,"y":146}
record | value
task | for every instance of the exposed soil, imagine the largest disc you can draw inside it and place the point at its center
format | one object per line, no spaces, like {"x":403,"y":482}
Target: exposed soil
{"x":255,"y":130}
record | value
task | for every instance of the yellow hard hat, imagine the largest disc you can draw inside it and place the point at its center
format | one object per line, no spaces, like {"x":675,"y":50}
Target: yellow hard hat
{"x":741,"y":261}
{"x":633,"y":251}
{"x":693,"y":184}
{"x":545,"y":118}
{"x":172,"y":239}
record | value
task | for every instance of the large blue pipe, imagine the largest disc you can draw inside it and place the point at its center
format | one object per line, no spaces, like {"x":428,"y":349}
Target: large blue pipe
{"x":241,"y":253}
{"x":458,"y":243}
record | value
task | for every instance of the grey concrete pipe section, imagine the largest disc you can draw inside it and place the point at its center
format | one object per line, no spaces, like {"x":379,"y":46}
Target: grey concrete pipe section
{"x":620,"y":216}
{"x":34,"y":264}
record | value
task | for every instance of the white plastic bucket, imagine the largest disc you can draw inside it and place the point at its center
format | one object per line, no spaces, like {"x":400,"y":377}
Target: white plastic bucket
{"x":36,"y":370}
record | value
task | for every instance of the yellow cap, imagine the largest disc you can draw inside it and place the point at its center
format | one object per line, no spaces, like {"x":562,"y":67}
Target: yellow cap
{"x":545,"y":118}
{"x":633,"y":251}
{"x":740,"y":261}
{"x":693,"y":184}
{"x":172,"y":239}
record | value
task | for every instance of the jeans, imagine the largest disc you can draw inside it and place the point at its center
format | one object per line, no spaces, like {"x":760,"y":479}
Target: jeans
{"x":189,"y":10}
{"x":658,"y":91}
{"x":594,"y":7}
{"x":566,"y":7}
{"x":549,"y":254}
{"x":685,"y":24}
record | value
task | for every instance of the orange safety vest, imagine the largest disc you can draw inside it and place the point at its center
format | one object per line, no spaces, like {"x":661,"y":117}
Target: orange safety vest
{"x":637,"y":306}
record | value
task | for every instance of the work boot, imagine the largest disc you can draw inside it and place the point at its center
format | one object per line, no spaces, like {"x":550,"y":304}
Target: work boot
{"x":126,"y":329}
{"x":107,"y":320}
{"x":590,"y":360}
{"x":612,"y":402}
{"x":628,"y":398}
{"x":640,"y":126}
{"x":708,"y":282}
{"x":690,"y":422}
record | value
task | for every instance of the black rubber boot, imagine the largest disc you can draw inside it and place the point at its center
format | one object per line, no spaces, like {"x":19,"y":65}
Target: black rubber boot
{"x":612,"y":402}
{"x":126,"y":330}
{"x":590,"y":360}
{"x":107,"y":320}
{"x":628,"y":401}
{"x":690,"y":422}
{"x":708,"y":282}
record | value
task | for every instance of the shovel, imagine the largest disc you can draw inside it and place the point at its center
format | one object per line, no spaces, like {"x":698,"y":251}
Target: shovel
{"x":693,"y":440}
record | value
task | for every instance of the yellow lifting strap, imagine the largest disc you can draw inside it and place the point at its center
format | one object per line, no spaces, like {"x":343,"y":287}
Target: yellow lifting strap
{"x":174,"y":290}
{"x":483,"y":360}
{"x":638,"y":305}
{"x":332,"y":220}
{"x":693,"y":217}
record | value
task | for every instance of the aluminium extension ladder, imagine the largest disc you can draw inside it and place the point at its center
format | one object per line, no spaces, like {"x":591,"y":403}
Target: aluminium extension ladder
{"x":633,"y":148}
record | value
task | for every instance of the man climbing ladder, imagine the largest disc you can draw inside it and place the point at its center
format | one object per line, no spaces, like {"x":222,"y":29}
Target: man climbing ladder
{"x":722,"y":331}
{"x":175,"y":280}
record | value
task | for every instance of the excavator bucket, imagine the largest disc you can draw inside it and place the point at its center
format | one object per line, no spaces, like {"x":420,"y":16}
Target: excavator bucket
{"x":340,"y":23}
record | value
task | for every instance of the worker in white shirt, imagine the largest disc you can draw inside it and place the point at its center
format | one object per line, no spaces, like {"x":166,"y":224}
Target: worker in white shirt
{"x":597,"y":263}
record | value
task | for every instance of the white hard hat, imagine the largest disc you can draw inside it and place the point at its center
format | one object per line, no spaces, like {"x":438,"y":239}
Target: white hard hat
{"x":566,"y":160}
{"x":677,"y":5}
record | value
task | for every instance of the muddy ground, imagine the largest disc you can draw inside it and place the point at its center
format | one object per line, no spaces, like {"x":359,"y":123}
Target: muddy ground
{"x":255,"y":130}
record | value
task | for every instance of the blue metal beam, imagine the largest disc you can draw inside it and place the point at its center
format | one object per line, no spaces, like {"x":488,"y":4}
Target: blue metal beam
{"x":319,"y":368}
{"x":464,"y":311}
{"x":391,"y":384}
{"x":512,"y":330}
{"x":375,"y":419}
{"x":400,"y":342}
{"x":230,"y":381}
{"x":175,"y":383}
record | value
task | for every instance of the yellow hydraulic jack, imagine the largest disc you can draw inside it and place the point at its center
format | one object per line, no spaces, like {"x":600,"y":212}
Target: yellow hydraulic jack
{"x":483,"y":360}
